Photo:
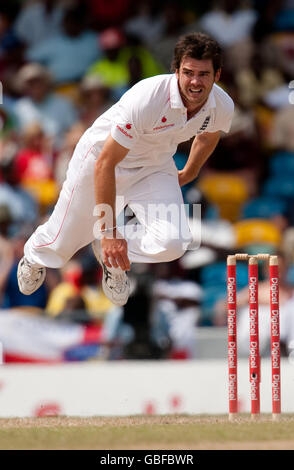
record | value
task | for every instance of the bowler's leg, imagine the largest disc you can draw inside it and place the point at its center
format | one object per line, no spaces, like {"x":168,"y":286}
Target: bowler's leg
{"x":69,"y":227}
{"x":158,"y":204}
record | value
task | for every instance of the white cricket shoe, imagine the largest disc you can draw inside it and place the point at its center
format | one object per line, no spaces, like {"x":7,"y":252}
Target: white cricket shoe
{"x":29,"y":277}
{"x":115,"y":282}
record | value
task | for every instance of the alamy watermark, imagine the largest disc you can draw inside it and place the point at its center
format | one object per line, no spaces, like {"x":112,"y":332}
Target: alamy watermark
{"x":163,"y":222}
{"x":291,"y":352}
{"x":291,"y":95}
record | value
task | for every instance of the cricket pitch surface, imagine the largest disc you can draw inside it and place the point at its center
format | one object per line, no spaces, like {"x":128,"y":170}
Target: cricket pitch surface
{"x":179,"y":432}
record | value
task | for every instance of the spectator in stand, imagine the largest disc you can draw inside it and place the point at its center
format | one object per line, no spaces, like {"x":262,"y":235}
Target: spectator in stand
{"x":5,"y":219}
{"x":106,"y":14}
{"x":9,"y":136}
{"x":34,"y":160}
{"x":11,"y":49}
{"x":33,"y":166}
{"x":39,"y":104}
{"x":148,"y":22}
{"x":173,"y":18}
{"x":273,"y":37}
{"x":21,"y":205}
{"x":69,"y":54}
{"x":79,"y":278}
{"x":231,"y":25}
{"x":140,"y":62}
{"x":239,"y":152}
{"x":134,"y":331}
{"x":268,"y":13}
{"x":75,"y":311}
{"x":69,"y":143}
{"x":6,"y":261}
{"x":257,"y":79}
{"x":110,"y":70}
{"x":6,"y":127}
{"x":287,"y":325}
{"x":94,"y":99}
{"x":125,"y":62}
{"x":176,"y":315}
{"x":282,"y":135}
{"x":8,"y":36}
{"x":39,"y":21}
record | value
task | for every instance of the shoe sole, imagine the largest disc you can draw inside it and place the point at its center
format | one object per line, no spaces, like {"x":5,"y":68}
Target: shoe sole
{"x":104,"y":285}
{"x":18,"y":281}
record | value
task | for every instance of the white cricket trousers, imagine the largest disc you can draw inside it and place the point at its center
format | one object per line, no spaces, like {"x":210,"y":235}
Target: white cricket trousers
{"x":153,"y":195}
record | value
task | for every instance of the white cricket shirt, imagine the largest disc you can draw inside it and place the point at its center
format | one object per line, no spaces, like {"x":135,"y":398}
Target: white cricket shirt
{"x":150,"y":120}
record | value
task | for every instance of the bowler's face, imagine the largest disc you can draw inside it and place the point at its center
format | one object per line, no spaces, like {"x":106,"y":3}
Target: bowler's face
{"x":195,"y":81}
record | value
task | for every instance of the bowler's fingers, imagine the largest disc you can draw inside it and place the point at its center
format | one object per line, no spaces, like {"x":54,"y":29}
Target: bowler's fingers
{"x":123,"y":261}
{"x":106,"y":261}
{"x":117,"y":259}
{"x":113,"y":261}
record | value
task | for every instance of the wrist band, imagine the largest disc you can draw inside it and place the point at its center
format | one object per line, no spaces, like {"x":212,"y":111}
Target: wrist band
{"x":108,"y":229}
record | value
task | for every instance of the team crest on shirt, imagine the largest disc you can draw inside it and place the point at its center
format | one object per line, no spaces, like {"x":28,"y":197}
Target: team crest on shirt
{"x":204,"y":125}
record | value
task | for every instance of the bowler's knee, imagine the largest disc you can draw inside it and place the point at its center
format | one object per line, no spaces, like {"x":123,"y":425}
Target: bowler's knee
{"x":174,"y":249}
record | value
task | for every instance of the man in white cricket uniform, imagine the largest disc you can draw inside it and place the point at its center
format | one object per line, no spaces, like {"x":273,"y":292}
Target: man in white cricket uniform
{"x":125,"y":159}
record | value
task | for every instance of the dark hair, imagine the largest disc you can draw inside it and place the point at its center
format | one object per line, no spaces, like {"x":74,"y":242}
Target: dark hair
{"x":199,"y":46}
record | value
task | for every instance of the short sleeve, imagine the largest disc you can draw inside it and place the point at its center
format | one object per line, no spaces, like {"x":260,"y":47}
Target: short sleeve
{"x":224,"y":111}
{"x":224,"y":119}
{"x":125,"y":122}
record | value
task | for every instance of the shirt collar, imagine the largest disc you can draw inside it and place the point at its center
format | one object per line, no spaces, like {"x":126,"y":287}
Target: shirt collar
{"x":175,"y":97}
{"x":176,"y":100}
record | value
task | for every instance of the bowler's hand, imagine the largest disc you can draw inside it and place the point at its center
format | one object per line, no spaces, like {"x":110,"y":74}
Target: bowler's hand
{"x":115,"y":253}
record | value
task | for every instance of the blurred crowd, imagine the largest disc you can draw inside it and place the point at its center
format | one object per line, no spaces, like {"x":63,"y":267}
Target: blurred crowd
{"x":62,"y":64}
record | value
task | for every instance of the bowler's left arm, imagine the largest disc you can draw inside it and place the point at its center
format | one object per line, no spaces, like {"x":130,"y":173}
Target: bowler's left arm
{"x":202,"y":147}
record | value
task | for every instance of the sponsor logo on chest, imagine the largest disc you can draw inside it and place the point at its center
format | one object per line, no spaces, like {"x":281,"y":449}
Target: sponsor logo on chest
{"x":163,"y":126}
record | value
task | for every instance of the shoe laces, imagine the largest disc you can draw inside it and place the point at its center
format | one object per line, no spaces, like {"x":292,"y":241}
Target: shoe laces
{"x":30,"y":273}
{"x":115,"y":279}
